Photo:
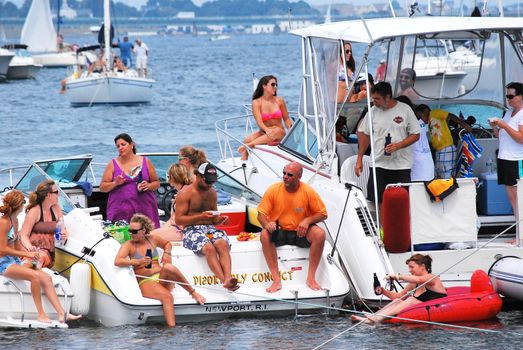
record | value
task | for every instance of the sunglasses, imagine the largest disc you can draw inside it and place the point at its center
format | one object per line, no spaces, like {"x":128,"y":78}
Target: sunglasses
{"x":181,"y":158}
{"x":406,"y":77}
{"x":54,"y":192}
{"x":274,"y":84}
{"x":510,"y":97}
{"x":208,"y":182}
{"x":133,"y":232}
{"x":288,"y":174}
{"x":348,"y":51}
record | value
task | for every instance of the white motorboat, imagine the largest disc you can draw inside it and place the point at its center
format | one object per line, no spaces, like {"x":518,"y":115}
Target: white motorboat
{"x":329,"y":166}
{"x":115,"y":298}
{"x":506,"y":275}
{"x":22,"y":66}
{"x":109,"y":87}
{"x":40,"y":36}
{"x":5,"y":58}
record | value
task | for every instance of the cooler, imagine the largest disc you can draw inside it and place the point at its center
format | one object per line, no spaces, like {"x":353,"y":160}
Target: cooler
{"x":493,"y":199}
{"x":236,"y":213}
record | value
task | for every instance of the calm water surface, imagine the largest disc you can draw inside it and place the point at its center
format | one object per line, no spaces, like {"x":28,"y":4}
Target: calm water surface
{"x":198,"y":82}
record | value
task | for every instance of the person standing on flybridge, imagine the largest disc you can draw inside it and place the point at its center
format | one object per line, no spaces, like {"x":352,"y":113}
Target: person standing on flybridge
{"x":142,"y":52}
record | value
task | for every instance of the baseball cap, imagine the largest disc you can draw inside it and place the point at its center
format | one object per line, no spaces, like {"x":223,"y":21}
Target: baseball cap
{"x":209,"y":172}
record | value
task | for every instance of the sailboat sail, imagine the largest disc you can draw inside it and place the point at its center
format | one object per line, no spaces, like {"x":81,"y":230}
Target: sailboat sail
{"x":38,"y":32}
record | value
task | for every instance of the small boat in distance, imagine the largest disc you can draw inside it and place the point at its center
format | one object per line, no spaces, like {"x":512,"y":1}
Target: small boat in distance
{"x":217,"y":37}
{"x":22,"y":66}
{"x":5,"y":58}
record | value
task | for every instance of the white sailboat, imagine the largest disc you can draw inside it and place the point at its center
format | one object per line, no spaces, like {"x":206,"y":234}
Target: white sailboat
{"x":124,"y":88}
{"x":40,"y":36}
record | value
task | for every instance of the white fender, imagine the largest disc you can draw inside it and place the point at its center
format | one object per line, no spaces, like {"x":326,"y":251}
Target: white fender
{"x":80,"y":281}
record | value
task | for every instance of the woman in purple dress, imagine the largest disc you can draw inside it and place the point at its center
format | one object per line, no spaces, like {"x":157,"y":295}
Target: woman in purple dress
{"x":131,"y":181}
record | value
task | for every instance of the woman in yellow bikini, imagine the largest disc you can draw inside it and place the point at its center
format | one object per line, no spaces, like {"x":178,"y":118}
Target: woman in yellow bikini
{"x":134,"y":253}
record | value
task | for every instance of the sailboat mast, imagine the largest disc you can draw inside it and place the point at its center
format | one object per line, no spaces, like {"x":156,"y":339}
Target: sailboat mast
{"x":58,"y":18}
{"x":107,"y":32}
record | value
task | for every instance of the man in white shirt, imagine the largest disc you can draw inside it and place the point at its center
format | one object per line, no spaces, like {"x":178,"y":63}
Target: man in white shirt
{"x":141,"y":51}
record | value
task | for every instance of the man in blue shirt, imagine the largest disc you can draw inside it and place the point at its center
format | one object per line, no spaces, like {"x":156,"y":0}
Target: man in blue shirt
{"x":125,"y":51}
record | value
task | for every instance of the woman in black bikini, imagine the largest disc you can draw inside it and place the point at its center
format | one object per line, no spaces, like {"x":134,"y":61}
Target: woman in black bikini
{"x":420,"y":267}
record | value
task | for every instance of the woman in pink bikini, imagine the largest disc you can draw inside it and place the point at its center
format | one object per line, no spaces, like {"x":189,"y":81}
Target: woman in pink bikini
{"x":270,"y":113}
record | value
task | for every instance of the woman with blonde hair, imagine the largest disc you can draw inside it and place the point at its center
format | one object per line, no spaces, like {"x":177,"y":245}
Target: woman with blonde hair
{"x":42,"y":215}
{"x":154,"y":279}
{"x":178,"y":178}
{"x":192,"y":158}
{"x":11,"y":265}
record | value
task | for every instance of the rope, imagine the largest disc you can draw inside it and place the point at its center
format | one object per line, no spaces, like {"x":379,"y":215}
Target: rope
{"x":333,"y":308}
{"x":422,"y":285}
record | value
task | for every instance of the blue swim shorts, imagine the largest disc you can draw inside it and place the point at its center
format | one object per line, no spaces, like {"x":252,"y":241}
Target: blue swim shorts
{"x":6,"y":261}
{"x":196,"y":236}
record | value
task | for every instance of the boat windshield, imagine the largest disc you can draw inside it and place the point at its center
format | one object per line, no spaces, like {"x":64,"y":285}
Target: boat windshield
{"x":454,"y":67}
{"x":162,"y":162}
{"x":233,"y":187}
{"x":64,"y":172}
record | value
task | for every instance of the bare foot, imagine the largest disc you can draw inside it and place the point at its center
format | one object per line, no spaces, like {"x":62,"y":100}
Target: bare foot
{"x":312,"y":284}
{"x":44,"y":319}
{"x":243,"y":151}
{"x":275,"y":286}
{"x":198,"y":297}
{"x":361,"y":319}
{"x":231,"y":283}
{"x":70,"y":317}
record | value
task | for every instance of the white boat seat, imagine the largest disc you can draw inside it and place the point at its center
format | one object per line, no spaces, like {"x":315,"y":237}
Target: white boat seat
{"x":347,"y":172}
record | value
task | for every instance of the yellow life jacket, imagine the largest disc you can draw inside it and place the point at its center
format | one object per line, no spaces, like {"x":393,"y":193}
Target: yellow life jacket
{"x":438,"y":189}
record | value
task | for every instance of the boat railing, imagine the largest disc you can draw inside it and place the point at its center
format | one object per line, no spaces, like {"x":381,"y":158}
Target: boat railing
{"x":9,"y":173}
{"x":22,"y":307}
{"x":230,"y":133}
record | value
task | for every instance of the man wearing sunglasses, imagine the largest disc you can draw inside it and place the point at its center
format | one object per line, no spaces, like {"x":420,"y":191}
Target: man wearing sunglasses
{"x":288,"y":213}
{"x":196,"y":211}
{"x":509,"y":130}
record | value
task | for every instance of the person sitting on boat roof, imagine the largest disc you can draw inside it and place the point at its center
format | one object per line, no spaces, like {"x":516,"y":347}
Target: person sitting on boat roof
{"x":131,"y":181}
{"x":289,"y":212}
{"x":43,"y":214}
{"x":422,"y":286}
{"x":155,"y":281}
{"x":118,"y":65}
{"x":11,"y":266}
{"x":142,"y":52}
{"x":196,"y":211}
{"x":345,"y":71}
{"x":98,"y":66}
{"x":125,"y":51}
{"x":191,"y":158}
{"x":270,"y":113}
{"x":407,"y":80}
{"x":441,"y":139}
{"x":395,"y":128}
{"x":178,"y":179}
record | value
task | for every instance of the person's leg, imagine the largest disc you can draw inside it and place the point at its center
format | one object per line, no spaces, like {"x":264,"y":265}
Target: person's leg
{"x":271,"y":257}
{"x":242,"y":150}
{"x":20,"y":272}
{"x":172,"y":273}
{"x":46,"y":282}
{"x":154,"y":290}
{"x":211,"y":255}
{"x":512,"y":192}
{"x":394,"y":308}
{"x":222,"y":248}
{"x":316,"y":236}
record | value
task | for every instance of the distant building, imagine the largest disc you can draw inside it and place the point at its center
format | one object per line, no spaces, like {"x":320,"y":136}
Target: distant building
{"x":66,"y":11}
{"x":262,"y":28}
{"x":186,"y":14}
{"x":284,"y":25}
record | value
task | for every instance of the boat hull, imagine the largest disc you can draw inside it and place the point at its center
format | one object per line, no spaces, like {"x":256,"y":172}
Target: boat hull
{"x":507,"y":276}
{"x":4,"y":64}
{"x":58,"y":59}
{"x":109,"y":90}
{"x":23,"y":71}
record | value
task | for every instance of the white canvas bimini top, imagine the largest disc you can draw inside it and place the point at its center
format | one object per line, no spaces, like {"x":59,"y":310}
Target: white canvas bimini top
{"x":372,"y":30}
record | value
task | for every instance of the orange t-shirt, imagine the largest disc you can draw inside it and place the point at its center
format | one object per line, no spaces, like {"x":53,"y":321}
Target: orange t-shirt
{"x":289,"y":209}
